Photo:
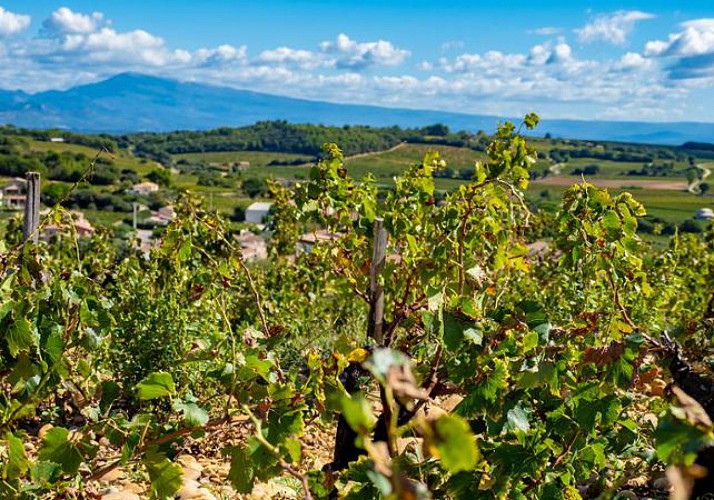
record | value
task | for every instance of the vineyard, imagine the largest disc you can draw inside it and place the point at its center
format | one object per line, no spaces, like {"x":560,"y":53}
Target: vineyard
{"x":466,"y":348}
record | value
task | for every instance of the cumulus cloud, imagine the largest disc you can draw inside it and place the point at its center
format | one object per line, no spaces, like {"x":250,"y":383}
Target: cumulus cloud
{"x":64,"y":21}
{"x":612,"y":28}
{"x":350,"y":54}
{"x":696,"y":38}
{"x":689,"y":54}
{"x":304,"y":59}
{"x":12,"y":24}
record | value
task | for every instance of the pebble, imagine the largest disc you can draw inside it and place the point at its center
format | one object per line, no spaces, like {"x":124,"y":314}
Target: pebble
{"x":112,"y":475}
{"x":191,"y":490}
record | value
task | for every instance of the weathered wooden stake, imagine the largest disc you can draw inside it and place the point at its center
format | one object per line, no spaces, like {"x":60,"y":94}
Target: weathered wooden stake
{"x":345,"y":450}
{"x":376,"y":290}
{"x":135,"y":210}
{"x":32,"y":208}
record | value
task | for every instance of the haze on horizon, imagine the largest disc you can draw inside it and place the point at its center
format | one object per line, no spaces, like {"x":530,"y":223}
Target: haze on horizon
{"x":614,"y":60}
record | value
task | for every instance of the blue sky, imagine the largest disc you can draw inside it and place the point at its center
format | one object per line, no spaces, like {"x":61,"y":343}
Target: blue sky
{"x":606,"y":60}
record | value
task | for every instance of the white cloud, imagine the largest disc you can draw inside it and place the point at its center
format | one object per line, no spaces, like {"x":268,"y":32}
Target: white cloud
{"x":221,"y":55}
{"x":12,"y":24}
{"x":64,"y":21}
{"x":350,"y":54}
{"x":696,"y":38}
{"x":546,"y":31}
{"x":304,"y":59}
{"x":612,"y":28}
{"x":688,"y":54}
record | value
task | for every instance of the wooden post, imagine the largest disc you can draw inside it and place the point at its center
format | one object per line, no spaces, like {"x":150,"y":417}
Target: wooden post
{"x":345,"y":450}
{"x":376,"y":290}
{"x":135,"y":210}
{"x":32,"y":208}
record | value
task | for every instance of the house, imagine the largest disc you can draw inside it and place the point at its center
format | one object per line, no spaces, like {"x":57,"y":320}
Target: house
{"x":705,"y":214}
{"x":307,"y":241}
{"x":14,"y":194}
{"x":257,"y":212}
{"x":57,"y":139}
{"x":143,"y":188}
{"x":253,"y":246}
{"x":161,"y":217}
{"x":81,"y":226}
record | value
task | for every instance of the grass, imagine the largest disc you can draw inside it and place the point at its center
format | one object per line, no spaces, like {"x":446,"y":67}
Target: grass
{"x":122,"y":158}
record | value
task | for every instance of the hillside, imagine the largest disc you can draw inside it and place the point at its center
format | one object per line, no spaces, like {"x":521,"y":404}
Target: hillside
{"x":132,"y":102}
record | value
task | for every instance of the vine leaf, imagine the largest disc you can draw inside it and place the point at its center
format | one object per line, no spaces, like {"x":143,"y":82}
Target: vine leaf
{"x":193,"y":414}
{"x":19,"y":336}
{"x":17,"y":463}
{"x":166,"y":477}
{"x":156,"y":385}
{"x":241,"y":474}
{"x":58,"y":448}
{"x":450,"y":439}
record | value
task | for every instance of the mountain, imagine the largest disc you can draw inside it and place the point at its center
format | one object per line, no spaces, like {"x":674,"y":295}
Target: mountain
{"x":132,"y":102}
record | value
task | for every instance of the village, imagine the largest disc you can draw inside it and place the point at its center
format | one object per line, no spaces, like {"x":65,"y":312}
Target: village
{"x":253,"y":239}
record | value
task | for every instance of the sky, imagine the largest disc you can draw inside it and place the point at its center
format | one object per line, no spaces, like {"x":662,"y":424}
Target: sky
{"x":651,"y":61}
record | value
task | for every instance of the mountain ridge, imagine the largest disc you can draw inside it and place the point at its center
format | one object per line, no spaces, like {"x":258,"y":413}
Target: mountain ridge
{"x":134,"y":102}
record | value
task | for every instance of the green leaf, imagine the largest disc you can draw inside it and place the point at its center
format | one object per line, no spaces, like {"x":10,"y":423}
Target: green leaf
{"x":455,"y":443}
{"x":17,"y":463}
{"x":610,"y":220}
{"x":294,"y":449}
{"x":166,"y":477}
{"x":156,"y":385}
{"x":57,"y":448}
{"x":45,"y":472}
{"x":110,"y":392}
{"x":357,"y":412}
{"x":193,"y":414}
{"x":19,"y":336}
{"x":530,"y":341}
{"x":241,"y":474}
{"x":518,"y":418}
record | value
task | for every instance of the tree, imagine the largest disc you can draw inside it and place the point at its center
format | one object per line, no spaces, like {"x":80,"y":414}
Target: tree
{"x":703,"y":188}
{"x":254,"y":187}
{"x":160,"y":176}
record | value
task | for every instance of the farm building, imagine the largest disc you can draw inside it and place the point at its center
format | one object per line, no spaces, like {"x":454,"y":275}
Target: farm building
{"x":82,"y":227}
{"x":257,"y":212}
{"x":12,"y":194}
{"x":253,"y":246}
{"x":143,"y":188}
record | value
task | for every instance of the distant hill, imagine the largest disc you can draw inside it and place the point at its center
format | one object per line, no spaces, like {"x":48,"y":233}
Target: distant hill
{"x":132,"y":102}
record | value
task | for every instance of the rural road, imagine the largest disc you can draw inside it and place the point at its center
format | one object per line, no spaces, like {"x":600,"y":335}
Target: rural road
{"x":694,"y":186}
